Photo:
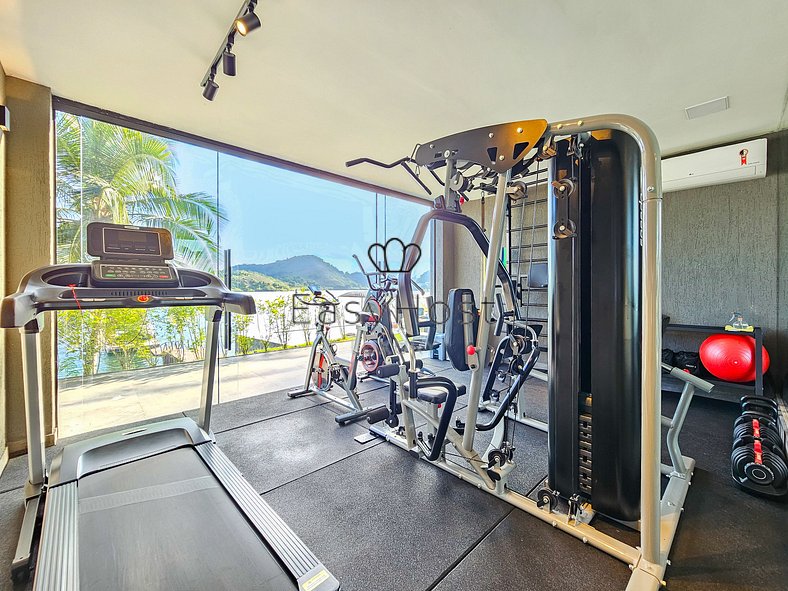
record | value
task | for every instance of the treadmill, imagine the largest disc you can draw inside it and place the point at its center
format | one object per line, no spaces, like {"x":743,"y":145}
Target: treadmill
{"x":152,"y":507}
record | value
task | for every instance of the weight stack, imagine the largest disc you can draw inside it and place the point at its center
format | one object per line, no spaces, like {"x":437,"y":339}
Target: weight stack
{"x":594,"y":324}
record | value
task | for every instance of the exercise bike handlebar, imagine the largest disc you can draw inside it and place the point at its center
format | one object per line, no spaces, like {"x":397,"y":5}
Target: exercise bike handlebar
{"x":317,"y":298}
{"x":382,"y":281}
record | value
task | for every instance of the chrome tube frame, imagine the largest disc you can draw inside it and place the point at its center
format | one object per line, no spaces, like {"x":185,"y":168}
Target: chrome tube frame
{"x":497,"y":224}
{"x":33,"y":383}
{"x":214,"y":317}
{"x":651,"y":315}
{"x":659,"y":515}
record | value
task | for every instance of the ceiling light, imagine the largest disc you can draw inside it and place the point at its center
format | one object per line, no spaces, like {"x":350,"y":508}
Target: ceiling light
{"x":245,"y":20}
{"x":228,"y":62}
{"x":209,"y":92}
{"x":248,"y":22}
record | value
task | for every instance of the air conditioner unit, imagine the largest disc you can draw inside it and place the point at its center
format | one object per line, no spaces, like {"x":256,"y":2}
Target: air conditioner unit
{"x":744,"y":161}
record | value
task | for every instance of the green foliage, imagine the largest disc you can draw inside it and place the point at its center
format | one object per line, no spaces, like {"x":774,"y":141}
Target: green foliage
{"x":241,"y":324}
{"x":112,"y":174}
{"x":253,"y":281}
{"x":184,"y":330}
{"x":83,"y":335}
{"x":278,"y":318}
{"x":128,"y":333}
{"x":300,"y":271}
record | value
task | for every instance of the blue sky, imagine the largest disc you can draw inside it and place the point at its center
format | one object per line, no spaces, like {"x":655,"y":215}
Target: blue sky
{"x":273,"y":214}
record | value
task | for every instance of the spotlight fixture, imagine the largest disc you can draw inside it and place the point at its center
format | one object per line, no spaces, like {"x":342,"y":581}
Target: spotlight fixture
{"x":228,"y":62}
{"x":209,"y":92}
{"x":248,"y":22}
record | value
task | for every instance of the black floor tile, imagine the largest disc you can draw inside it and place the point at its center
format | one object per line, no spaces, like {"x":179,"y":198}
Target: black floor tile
{"x":383,"y":520}
{"x":245,"y":411}
{"x":272,"y":452}
{"x":11,"y":512}
{"x":524,"y":553}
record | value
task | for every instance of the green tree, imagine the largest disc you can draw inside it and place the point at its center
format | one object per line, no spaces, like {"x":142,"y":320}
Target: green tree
{"x":241,"y":324}
{"x":112,"y":174}
{"x":265,"y":329}
{"x":279,"y":318}
{"x":109,"y":173}
{"x":128,"y":335}
{"x":184,"y":330}
{"x":82,"y":333}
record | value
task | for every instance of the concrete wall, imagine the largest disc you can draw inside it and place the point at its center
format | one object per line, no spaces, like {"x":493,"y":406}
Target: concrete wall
{"x":29,"y":210}
{"x":3,"y":440}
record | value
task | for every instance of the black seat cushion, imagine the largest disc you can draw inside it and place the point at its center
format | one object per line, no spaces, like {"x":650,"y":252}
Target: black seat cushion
{"x":438,"y":395}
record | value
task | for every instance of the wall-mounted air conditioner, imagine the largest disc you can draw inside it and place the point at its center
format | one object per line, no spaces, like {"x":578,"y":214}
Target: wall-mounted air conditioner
{"x":744,"y":161}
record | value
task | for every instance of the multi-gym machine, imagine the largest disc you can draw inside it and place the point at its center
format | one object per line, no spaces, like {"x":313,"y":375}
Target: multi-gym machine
{"x":604,"y":333}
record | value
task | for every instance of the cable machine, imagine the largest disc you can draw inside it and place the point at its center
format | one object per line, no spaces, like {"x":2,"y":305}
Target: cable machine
{"x":622,"y":155}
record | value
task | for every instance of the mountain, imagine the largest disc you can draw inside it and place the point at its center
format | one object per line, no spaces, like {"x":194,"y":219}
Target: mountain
{"x":423,"y":280}
{"x":251,"y":281}
{"x":293,"y":273}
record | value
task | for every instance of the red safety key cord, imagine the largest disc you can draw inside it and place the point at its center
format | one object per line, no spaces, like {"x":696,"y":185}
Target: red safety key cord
{"x":74,"y":293}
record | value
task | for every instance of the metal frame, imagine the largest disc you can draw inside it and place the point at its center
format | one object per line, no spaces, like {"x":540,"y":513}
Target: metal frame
{"x":349,"y":384}
{"x":659,"y":515}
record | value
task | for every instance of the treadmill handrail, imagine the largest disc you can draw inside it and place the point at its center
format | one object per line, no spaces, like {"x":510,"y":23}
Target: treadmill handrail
{"x":38,"y":292}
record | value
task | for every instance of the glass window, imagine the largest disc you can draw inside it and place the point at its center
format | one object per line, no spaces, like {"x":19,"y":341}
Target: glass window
{"x":281,"y":231}
{"x":113,"y":174}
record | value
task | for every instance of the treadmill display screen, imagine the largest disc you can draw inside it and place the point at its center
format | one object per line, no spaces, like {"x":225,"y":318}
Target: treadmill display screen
{"x":134,"y":242}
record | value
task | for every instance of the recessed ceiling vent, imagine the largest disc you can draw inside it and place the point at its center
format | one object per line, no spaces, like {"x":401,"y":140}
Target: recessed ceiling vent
{"x":707,"y":108}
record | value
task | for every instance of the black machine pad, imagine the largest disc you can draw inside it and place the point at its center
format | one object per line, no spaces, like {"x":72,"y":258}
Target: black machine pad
{"x":454,"y":335}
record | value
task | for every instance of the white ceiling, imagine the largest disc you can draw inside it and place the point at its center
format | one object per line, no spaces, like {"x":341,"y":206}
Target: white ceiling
{"x":324,"y":81}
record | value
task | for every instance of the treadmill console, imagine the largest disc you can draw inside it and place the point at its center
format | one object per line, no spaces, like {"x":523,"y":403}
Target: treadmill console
{"x":130,"y":256}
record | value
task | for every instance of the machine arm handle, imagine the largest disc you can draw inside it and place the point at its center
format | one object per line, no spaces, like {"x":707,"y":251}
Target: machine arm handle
{"x":403,"y":162}
{"x":688,"y":378}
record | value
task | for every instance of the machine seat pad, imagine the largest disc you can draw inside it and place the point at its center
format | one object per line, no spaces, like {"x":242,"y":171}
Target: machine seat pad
{"x":438,"y":395}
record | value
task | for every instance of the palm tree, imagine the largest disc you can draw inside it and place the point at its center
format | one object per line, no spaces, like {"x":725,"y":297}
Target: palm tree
{"x":113,"y":174}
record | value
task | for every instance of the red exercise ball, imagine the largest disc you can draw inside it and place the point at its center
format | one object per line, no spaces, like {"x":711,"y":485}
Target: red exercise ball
{"x":731,"y":357}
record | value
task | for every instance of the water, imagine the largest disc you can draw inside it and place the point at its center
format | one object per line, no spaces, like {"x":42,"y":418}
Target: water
{"x":70,"y":362}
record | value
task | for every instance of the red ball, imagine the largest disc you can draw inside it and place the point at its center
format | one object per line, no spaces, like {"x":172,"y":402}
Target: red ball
{"x":731,"y":357}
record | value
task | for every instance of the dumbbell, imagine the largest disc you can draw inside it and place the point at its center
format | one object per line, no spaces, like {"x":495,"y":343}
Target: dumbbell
{"x":759,"y":462}
{"x":749,"y":415}
{"x":760,"y":404}
{"x":758,"y":429}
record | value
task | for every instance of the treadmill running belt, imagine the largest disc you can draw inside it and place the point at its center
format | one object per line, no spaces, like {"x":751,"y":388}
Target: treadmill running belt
{"x":165,"y":523}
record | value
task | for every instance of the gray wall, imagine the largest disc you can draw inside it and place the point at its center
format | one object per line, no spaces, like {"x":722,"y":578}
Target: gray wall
{"x":725,"y":248}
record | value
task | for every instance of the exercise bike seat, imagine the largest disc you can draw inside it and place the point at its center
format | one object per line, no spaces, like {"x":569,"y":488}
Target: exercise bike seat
{"x":438,"y":395}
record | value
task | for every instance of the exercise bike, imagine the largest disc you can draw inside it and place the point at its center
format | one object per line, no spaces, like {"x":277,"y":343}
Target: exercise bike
{"x":373,"y":347}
